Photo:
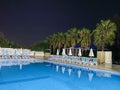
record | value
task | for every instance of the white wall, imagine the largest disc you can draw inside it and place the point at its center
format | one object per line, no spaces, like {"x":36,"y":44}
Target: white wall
{"x":108,"y":59}
{"x":39,"y":53}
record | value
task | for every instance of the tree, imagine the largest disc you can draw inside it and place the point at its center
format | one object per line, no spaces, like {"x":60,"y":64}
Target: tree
{"x":73,"y":36}
{"x":59,"y":40}
{"x":85,"y":37}
{"x":104,"y":34}
{"x":39,"y":46}
{"x":52,"y":42}
{"x":116,"y":46}
{"x":66,"y":40}
{"x":116,"y":19}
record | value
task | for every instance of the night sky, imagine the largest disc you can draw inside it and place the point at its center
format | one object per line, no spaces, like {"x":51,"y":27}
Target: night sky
{"x":28,"y":21}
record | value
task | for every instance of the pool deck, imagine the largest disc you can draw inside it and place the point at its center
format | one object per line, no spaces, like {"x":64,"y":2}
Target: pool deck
{"x":113,"y":68}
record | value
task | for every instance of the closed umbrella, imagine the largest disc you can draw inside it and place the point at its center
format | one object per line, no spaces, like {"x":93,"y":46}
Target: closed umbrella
{"x":57,"y":51}
{"x":21,"y":51}
{"x":0,"y":51}
{"x":91,"y":54}
{"x":79,"y":53}
{"x":63,"y":51}
{"x":70,"y":52}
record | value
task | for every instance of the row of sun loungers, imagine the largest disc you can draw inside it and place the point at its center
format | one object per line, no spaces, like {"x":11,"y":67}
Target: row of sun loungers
{"x":15,"y":56}
{"x":74,"y":59}
{"x":12,"y":62}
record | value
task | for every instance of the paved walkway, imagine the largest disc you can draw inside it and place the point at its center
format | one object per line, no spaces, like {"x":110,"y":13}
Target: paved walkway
{"x":113,"y":68}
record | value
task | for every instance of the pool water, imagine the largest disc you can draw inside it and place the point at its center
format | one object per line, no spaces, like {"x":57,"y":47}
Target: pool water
{"x":43,"y":76}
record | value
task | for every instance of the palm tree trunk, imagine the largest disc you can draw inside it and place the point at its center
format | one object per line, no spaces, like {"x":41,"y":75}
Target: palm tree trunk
{"x":103,"y":46}
{"x":64,"y":45}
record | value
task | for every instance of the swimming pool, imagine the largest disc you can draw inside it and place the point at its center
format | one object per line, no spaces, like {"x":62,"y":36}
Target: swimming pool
{"x":47,"y":76}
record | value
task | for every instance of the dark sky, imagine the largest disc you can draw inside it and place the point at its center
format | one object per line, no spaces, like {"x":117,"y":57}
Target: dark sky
{"x":28,"y":21}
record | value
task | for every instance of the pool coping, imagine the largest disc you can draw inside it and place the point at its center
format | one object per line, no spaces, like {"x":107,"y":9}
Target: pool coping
{"x":84,"y":67}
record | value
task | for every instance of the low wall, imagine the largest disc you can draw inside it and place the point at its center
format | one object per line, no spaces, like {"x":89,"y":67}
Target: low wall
{"x":47,"y":54}
{"x":108,"y":59}
{"x":101,"y":57}
{"x":105,"y":57}
{"x":39,"y":54}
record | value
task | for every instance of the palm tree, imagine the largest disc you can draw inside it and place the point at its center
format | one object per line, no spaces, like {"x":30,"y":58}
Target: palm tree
{"x":55,"y":41}
{"x":73,"y":36}
{"x":116,"y":47}
{"x":59,"y":40}
{"x":66,"y":40}
{"x":79,"y":36}
{"x":52,"y":39}
{"x":104,"y":34}
{"x":85,"y":37}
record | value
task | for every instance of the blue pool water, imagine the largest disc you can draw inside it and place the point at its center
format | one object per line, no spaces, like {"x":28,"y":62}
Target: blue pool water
{"x":43,"y":76}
